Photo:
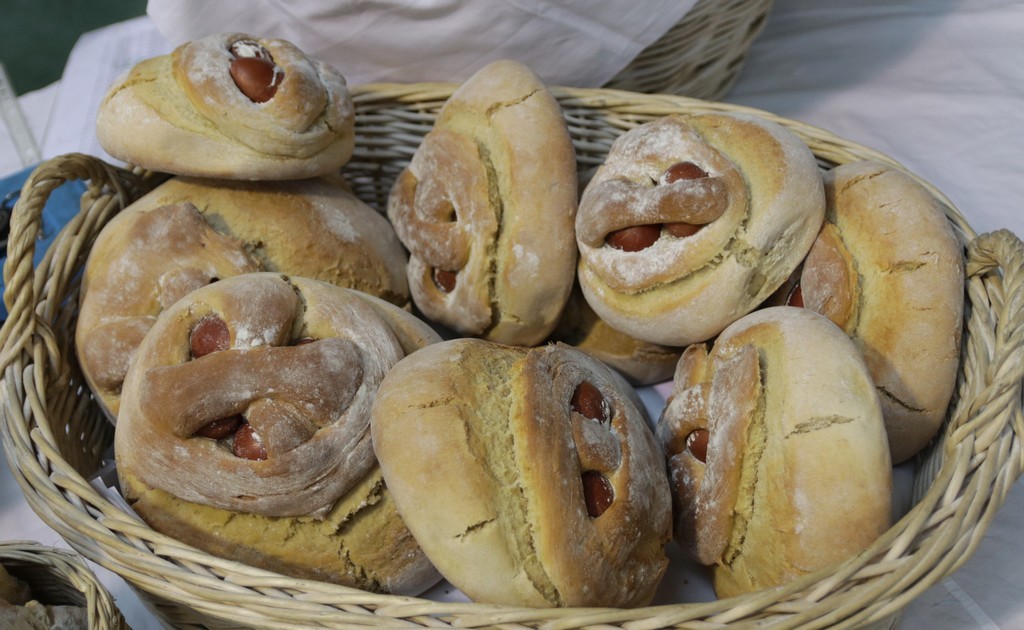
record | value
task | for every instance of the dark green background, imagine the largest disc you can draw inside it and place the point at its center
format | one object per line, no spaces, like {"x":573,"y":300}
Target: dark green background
{"x":37,"y":35}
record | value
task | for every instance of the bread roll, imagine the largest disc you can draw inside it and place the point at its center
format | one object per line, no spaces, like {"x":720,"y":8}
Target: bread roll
{"x":640,"y":362}
{"x":529,"y":476}
{"x":692,"y":221}
{"x":230,"y":106}
{"x":887,"y":268}
{"x":189,"y":232}
{"x":776,"y":450}
{"x":244,"y":429}
{"x":487,"y":207}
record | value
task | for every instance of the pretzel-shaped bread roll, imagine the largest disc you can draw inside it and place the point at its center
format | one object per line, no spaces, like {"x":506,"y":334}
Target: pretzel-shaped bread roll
{"x":244,"y":429}
{"x":189,"y":232}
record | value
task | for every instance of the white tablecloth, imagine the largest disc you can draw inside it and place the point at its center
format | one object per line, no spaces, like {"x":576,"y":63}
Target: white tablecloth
{"x":936,"y":84}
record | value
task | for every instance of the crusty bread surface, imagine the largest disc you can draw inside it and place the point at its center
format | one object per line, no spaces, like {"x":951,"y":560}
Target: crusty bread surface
{"x":797,"y":473}
{"x":485,"y":458}
{"x":301,"y":363}
{"x":490,"y":196}
{"x":182,"y":113}
{"x":189,"y":232}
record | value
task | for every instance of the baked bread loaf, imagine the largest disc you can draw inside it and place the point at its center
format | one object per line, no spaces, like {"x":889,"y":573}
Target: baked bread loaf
{"x":529,"y":476}
{"x":776,"y":451}
{"x":640,"y":362}
{"x":693,"y":221}
{"x":188,"y":232}
{"x":888,"y":270}
{"x":486,"y":209}
{"x":244,"y":429}
{"x":230,"y":106}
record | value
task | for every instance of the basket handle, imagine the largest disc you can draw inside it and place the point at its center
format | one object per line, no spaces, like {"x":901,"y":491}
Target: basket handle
{"x":109,"y":189}
{"x":995,"y":272}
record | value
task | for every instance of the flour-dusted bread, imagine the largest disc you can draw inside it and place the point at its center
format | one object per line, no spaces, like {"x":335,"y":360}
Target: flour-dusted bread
{"x":777,"y":451}
{"x":887,"y":268}
{"x":245,"y":429}
{"x":187,"y":233}
{"x":487,"y":209}
{"x":693,"y":221}
{"x":528,"y":476}
{"x":230,"y":106}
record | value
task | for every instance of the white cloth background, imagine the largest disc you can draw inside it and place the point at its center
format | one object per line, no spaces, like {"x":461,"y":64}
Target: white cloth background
{"x":936,"y":84}
{"x":566,"y":42}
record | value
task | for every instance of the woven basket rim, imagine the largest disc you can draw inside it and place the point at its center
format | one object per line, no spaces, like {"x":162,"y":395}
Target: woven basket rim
{"x":702,"y":54}
{"x":108,"y":536}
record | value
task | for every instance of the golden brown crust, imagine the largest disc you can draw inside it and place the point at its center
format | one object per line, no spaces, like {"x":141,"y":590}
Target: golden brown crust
{"x":490,"y":197}
{"x":889,"y":253}
{"x":310,"y":405}
{"x":761,"y":206}
{"x":485,"y":458}
{"x":641,"y":362}
{"x":188,"y":232}
{"x":183,"y":114}
{"x":797,"y":473}
{"x":361,"y":542}
{"x":828,"y":279}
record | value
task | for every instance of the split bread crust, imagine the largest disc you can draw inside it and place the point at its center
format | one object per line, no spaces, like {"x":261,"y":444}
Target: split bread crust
{"x":486,"y":209}
{"x":888,"y":269}
{"x":793,"y":471}
{"x":516,"y":493}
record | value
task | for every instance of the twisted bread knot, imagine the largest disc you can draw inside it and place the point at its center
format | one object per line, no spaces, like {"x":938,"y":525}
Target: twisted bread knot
{"x":289,"y":104}
{"x":440,"y":207}
{"x":752,"y":201}
{"x":309,"y":105}
{"x":142,"y":283}
{"x":289,"y":366}
{"x":660,"y":184}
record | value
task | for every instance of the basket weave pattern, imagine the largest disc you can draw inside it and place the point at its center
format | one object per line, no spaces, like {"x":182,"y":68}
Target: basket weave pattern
{"x":54,"y":436}
{"x":701,"y":55}
{"x":57,"y":576}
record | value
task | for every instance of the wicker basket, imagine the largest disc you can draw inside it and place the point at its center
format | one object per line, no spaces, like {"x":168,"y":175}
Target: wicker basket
{"x":60,"y":577}
{"x":54,"y":434}
{"x":701,"y":56}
